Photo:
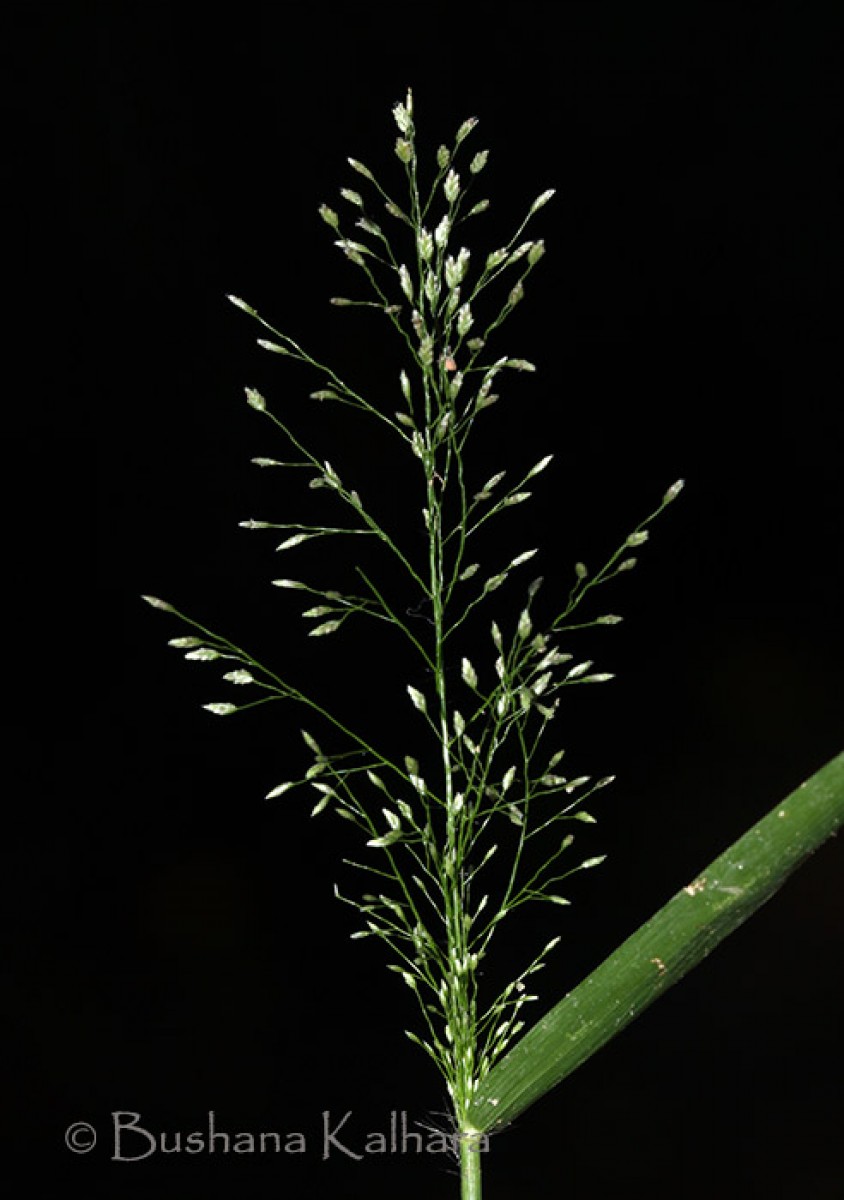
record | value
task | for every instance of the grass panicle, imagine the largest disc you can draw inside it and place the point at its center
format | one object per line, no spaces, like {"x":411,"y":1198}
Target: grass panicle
{"x":430,"y":830}
{"x":482,"y":777}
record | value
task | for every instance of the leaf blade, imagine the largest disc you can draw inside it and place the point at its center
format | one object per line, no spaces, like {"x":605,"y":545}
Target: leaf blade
{"x":664,"y":949}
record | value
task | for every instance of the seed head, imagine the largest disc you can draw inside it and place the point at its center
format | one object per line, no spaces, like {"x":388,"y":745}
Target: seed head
{"x":295,"y":540}
{"x":239,"y":677}
{"x":456,"y":268}
{"x":479,"y":162}
{"x":454,"y":386}
{"x":279,"y":790}
{"x":386,"y":840}
{"x":580,"y":669}
{"x":274,"y":347}
{"x":360,"y":168}
{"x":326,"y":628}
{"x":238,"y":303}
{"x":542,"y":200}
{"x":323,"y":802}
{"x":465,"y":129}
{"x":156,"y":603}
{"x":519,"y":252}
{"x":404,"y":150}
{"x":402,"y":118}
{"x":394,"y":211}
{"x":425,"y":244}
{"x":392,"y":820}
{"x":480,"y":207}
{"x":540,"y":466}
{"x":432,"y":288}
{"x":522,"y":558}
{"x":405,"y":281}
{"x":535,"y":253}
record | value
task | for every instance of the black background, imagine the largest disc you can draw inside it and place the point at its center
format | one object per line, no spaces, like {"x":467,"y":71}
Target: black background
{"x":175,"y":940}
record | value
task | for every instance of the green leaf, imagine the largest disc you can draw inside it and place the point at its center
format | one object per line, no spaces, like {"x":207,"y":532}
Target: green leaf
{"x":664,"y":949}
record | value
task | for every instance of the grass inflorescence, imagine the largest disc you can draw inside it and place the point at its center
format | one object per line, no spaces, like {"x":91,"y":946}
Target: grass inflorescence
{"x":482,"y":776}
